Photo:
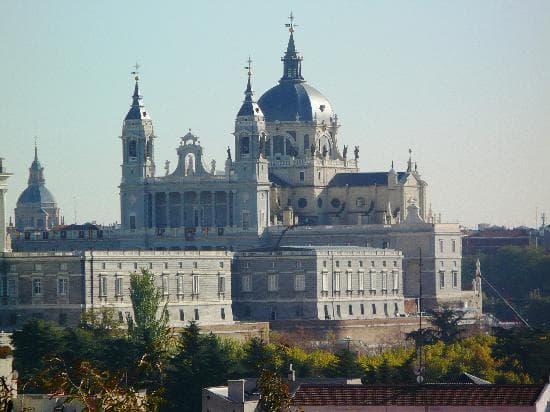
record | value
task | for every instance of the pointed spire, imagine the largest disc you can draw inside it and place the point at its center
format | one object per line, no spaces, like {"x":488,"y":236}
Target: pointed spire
{"x":292,"y":60}
{"x":137,"y":110}
{"x":249,"y":106}
{"x":248,"y":92}
{"x":36,"y":171}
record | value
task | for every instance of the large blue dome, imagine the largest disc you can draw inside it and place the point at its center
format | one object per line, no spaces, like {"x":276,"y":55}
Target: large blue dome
{"x":291,"y":101}
{"x":34,"y":194}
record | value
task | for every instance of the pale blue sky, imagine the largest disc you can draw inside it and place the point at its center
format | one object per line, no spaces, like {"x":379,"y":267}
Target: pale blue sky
{"x":465,"y":84}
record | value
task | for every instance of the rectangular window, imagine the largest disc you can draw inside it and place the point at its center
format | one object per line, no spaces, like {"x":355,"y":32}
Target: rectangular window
{"x":395,"y":280}
{"x":118,"y":286}
{"x":386,"y":309}
{"x":395,"y":308}
{"x":441,"y":280}
{"x":12,"y":287}
{"x":327,"y":316}
{"x":103,"y":265}
{"x":165,"y":286}
{"x":221,"y":265}
{"x":37,"y":287}
{"x":384,"y":281}
{"x":102,"y":286}
{"x":324,"y":263}
{"x":37,"y":267}
{"x":300,"y":283}
{"x":360,"y":263}
{"x":119,"y":265}
{"x":246,"y":283}
{"x":453,"y":246}
{"x":338,"y":311}
{"x":165,"y":265}
{"x":182,"y":315}
{"x":349,"y":263}
{"x":455,"y":279}
{"x":302,"y":176}
{"x":336,"y":286}
{"x":62,"y":286}
{"x":298,"y":264}
{"x":246,"y":220}
{"x":372,"y":280}
{"x":348,"y":281}
{"x":362,"y":308}
{"x":179,"y":285}
{"x":196,"y":286}
{"x":374,"y":309}
{"x":135,"y":265}
{"x":222,"y":314}
{"x":324,"y":282}
{"x":13,"y":268}
{"x":221,"y":284}
{"x":272,"y":282}
{"x":196,"y":314}
{"x":350,"y":309}
{"x":361,"y":277}
{"x":441,"y":245}
{"x":2,"y":289}
{"x":337,"y":263}
{"x":180,"y":265}
{"x":63,"y":267}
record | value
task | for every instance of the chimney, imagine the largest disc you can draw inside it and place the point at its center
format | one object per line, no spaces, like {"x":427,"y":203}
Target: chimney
{"x":235,"y":390}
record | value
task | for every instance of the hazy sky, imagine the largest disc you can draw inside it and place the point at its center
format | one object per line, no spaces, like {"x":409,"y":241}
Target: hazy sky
{"x":465,"y":84}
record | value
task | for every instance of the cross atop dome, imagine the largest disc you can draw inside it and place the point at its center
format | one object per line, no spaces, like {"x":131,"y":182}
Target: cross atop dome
{"x":291,"y":26}
{"x":135,"y":73}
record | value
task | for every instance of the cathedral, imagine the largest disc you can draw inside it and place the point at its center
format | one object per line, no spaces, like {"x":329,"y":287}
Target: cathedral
{"x":289,"y":180}
{"x":286,"y":156}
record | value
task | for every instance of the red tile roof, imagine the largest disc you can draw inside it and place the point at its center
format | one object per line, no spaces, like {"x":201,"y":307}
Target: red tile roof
{"x":417,"y":395}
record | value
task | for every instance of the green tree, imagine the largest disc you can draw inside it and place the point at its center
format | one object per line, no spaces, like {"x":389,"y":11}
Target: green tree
{"x":149,"y":332}
{"x":201,"y":361}
{"x":524,"y":351}
{"x":37,"y":341}
{"x":446,"y":324}
{"x":274,"y":392}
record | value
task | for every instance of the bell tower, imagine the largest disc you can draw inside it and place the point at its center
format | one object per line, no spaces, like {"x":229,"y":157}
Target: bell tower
{"x":250,"y":166}
{"x":250,"y":138}
{"x":138,"y":162}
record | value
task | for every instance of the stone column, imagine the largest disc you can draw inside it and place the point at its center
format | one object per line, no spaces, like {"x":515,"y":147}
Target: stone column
{"x":213,"y":217}
{"x":3,"y":189}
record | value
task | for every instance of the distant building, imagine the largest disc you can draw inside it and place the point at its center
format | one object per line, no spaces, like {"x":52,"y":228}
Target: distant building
{"x":287,"y":180}
{"x":36,"y":206}
{"x":318,"y":282}
{"x":59,"y":286}
{"x":488,"y":239}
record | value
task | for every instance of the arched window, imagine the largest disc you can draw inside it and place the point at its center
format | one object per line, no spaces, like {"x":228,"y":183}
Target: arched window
{"x":132,"y":149}
{"x":245,"y":145}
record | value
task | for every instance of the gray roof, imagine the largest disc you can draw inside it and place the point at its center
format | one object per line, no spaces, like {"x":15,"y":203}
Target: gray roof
{"x":35,"y":194}
{"x":291,"y":100}
{"x":363,"y":179}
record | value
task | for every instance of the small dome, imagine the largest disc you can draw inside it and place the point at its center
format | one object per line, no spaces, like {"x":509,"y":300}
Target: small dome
{"x":35,"y":194}
{"x":290,"y":101}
